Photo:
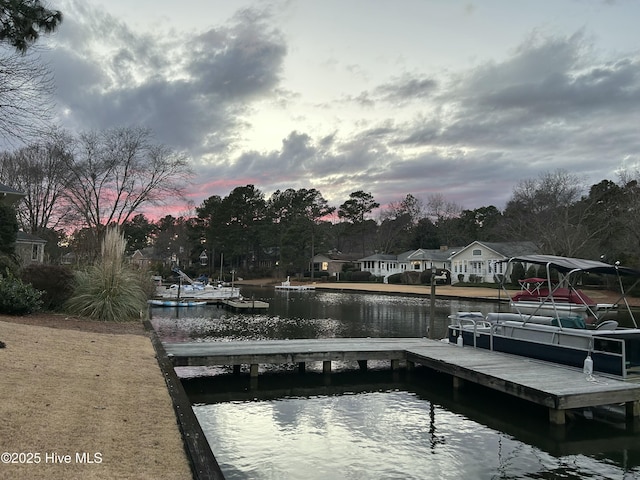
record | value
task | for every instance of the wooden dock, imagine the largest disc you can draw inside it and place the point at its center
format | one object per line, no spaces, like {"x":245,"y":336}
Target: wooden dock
{"x":245,"y":305}
{"x":556,"y":387}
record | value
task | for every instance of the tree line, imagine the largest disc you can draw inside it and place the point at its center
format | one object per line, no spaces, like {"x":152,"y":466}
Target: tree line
{"x":76,"y":186}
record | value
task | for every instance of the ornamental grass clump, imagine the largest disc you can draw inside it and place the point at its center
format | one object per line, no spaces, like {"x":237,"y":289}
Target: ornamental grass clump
{"x":109,"y":290}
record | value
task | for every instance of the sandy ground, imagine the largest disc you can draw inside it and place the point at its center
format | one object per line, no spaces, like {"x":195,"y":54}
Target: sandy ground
{"x":84,"y":392}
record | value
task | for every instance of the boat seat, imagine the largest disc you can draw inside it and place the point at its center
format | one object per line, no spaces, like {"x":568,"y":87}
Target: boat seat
{"x":607,"y":325}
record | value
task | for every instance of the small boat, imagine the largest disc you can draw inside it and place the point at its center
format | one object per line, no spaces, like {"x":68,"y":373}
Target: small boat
{"x":175,"y":303}
{"x":286,"y":285}
{"x":195,"y":290}
{"x":560,"y":337}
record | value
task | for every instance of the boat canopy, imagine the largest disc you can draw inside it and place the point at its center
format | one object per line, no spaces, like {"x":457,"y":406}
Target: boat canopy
{"x":568,"y":265}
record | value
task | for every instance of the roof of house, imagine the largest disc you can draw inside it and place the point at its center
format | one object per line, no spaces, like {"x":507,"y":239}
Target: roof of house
{"x":379,"y":256}
{"x":10,"y":194}
{"x":506,"y":249}
{"x":23,"y":237}
{"x":438,"y":254}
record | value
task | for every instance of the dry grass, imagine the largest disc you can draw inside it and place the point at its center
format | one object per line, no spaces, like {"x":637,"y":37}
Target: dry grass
{"x":67,"y":391}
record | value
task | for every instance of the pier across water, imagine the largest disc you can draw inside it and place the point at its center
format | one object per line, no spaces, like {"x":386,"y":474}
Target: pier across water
{"x":557,"y":387}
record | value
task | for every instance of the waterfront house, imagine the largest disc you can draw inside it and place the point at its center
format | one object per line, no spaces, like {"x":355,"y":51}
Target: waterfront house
{"x":481,"y":261}
{"x":332,"y":263}
{"x":420,"y":260}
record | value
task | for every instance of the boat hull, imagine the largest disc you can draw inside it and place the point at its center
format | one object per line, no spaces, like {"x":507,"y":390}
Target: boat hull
{"x":613,"y":352}
{"x":175,"y":303}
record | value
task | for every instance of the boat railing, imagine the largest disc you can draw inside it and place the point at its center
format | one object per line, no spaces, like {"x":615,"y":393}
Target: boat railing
{"x":598,"y":344}
{"x":474,"y":321}
{"x":592,"y":342}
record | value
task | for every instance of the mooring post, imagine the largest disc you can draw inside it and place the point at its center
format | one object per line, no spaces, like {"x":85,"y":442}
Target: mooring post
{"x":254,"y":370}
{"x":432,"y":306}
{"x":632,"y":409}
{"x":326,"y":366}
{"x":557,"y":416}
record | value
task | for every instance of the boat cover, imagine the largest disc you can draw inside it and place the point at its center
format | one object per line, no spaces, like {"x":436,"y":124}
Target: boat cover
{"x":567,"y":264}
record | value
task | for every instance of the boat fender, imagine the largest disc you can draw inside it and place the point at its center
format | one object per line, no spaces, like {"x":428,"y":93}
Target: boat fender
{"x":588,"y":365}
{"x":460,"y":341}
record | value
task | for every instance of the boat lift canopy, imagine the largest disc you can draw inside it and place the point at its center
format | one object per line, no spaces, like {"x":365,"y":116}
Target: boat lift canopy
{"x":567,"y":265}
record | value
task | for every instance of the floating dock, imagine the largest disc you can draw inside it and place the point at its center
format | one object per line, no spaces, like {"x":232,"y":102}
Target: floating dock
{"x":245,"y":305}
{"x":557,"y":387}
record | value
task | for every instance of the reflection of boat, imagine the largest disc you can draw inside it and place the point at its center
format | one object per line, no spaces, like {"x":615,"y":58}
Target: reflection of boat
{"x":197,"y":290}
{"x":567,"y":339}
{"x":286,"y":285}
{"x":536,"y":298}
{"x":176,"y":303}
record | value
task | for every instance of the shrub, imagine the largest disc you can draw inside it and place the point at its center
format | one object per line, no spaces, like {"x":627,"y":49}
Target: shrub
{"x":54,"y":281}
{"x":17,"y":297}
{"x":395,"y":279}
{"x":517,"y":273}
{"x":109,"y":290}
{"x":410,"y":278}
{"x":360,"y":276}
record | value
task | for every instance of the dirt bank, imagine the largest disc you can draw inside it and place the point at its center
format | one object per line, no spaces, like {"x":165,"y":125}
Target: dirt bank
{"x":73,"y":391}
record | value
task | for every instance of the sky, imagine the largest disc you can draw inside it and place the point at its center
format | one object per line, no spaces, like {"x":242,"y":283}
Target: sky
{"x":462,"y":99}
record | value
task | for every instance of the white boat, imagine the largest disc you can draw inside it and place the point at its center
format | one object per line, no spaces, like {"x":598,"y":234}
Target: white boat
{"x":604,"y":347}
{"x":195,"y":290}
{"x":176,"y":303}
{"x":286,"y":285}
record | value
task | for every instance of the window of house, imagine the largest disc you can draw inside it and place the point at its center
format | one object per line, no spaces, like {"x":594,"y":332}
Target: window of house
{"x":476,"y":252}
{"x":34,"y":252}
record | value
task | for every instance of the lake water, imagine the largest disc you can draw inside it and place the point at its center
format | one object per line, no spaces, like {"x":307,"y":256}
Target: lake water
{"x":379,"y":424}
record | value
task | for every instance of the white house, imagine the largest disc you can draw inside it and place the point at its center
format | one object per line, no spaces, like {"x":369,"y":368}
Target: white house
{"x":481,"y":261}
{"x":383,"y":265}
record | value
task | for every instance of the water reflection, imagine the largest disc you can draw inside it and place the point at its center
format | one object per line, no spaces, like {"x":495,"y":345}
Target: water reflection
{"x":378,"y":424}
{"x":312,"y":314}
{"x":391,"y":425}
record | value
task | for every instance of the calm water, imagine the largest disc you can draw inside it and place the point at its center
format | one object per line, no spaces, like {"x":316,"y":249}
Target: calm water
{"x":379,"y":424}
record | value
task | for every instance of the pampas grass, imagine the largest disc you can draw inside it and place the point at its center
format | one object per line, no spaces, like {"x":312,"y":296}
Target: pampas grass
{"x":109,"y":290}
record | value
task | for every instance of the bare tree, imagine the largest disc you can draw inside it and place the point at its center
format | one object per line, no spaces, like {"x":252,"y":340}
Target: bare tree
{"x":442,"y":213}
{"x":40,"y":171}
{"x":547,"y":211}
{"x":26,"y":88}
{"x":115,"y":173}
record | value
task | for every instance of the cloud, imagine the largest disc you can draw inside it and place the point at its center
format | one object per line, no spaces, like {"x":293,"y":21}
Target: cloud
{"x":190,"y":91}
{"x":554,"y":101}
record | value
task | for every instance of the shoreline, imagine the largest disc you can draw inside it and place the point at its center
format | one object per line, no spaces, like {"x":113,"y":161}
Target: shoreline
{"x":441,"y":291}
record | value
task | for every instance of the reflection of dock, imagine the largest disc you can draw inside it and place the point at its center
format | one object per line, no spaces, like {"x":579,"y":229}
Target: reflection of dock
{"x":245,"y":305}
{"x":556,"y":387}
